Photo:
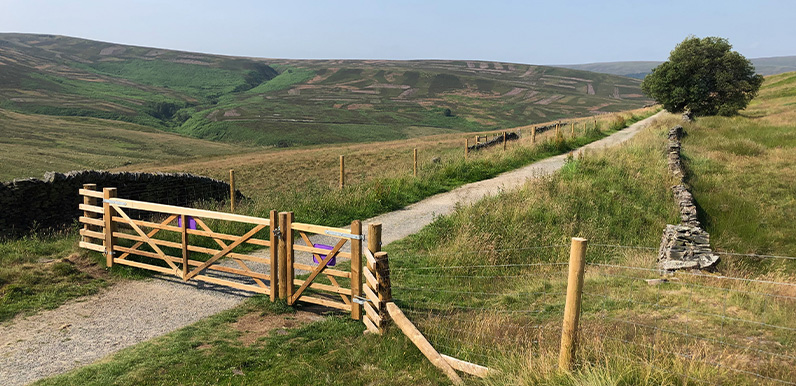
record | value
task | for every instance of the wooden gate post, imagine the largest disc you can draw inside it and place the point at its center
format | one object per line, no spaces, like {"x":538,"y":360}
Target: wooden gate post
{"x":185,"y":252}
{"x":385,"y":290}
{"x":288,"y":225}
{"x":107,"y":212}
{"x":283,"y":256}
{"x":356,"y":269}
{"x":569,"y":330}
{"x":232,"y":190}
{"x":274,"y":251}
{"x":93,"y":202}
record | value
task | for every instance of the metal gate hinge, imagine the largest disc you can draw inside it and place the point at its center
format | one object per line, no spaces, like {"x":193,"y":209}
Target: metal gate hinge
{"x":360,"y":300}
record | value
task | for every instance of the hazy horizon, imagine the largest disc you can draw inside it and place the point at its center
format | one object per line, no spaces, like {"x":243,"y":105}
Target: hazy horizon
{"x":614,"y":31}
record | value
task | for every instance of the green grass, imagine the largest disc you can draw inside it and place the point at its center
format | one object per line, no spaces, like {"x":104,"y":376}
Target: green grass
{"x":285,"y":80}
{"x":332,"y":351}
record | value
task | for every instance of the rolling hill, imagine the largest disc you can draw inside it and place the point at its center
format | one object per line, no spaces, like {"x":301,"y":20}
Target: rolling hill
{"x":639,"y":69}
{"x":282,"y":102}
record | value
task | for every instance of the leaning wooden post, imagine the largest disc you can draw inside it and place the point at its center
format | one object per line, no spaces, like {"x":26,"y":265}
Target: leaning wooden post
{"x":288,"y":225}
{"x":504,"y":140}
{"x":283,"y":256}
{"x":232,"y":190}
{"x":466,"y":147}
{"x":107,"y":211}
{"x":569,"y":329}
{"x":342,"y":172}
{"x":356,"y":269}
{"x":274,"y":251}
{"x":422,"y":343}
{"x":414,"y":153}
{"x":93,"y":202}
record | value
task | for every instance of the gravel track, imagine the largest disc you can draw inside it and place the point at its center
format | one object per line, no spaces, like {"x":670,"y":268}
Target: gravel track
{"x":88,"y":329}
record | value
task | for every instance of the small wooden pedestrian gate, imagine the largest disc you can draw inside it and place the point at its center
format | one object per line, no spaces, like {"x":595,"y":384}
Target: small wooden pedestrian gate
{"x":190,"y":244}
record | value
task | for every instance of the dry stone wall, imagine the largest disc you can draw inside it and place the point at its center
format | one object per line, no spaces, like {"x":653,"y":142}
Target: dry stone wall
{"x":494,"y":141}
{"x":51,"y":203}
{"x":684,"y":246}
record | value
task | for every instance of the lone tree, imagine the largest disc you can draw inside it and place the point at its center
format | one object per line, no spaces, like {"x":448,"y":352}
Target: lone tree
{"x":703,"y":77}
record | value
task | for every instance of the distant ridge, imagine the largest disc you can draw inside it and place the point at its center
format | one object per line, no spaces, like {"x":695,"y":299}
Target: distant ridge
{"x":639,"y":69}
{"x":284,"y":102}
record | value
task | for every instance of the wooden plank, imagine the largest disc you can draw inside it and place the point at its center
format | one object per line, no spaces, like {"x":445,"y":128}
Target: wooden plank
{"x":170,"y":209}
{"x":192,"y":248}
{"x":326,"y":287}
{"x":356,"y":269}
{"x":151,"y":233}
{"x":467,"y":367}
{"x":214,"y":267}
{"x":150,"y":267}
{"x":92,"y":247}
{"x":90,"y":193}
{"x":92,"y":221}
{"x":92,"y":234}
{"x":422,"y":343}
{"x":147,"y":239}
{"x":369,"y":325}
{"x":274,"y":241}
{"x":319,"y":229}
{"x":232,"y":284}
{"x":315,"y":272}
{"x":327,"y":271}
{"x":372,"y":313}
{"x":90,"y":208}
{"x":225,"y":251}
{"x":336,"y":284}
{"x":324,"y":302}
{"x":371,"y":280}
{"x":107,"y":194}
{"x":205,"y":233}
{"x":371,"y":295}
{"x":319,"y":251}
{"x":184,"y":246}
{"x":371,"y":260}
{"x":283,"y":257}
{"x":289,"y":256}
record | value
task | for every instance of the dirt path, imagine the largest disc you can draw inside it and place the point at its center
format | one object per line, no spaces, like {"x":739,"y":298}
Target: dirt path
{"x":83,"y":331}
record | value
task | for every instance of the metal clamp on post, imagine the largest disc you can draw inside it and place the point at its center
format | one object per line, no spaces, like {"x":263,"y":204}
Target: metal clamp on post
{"x":360,"y":300}
{"x":277,"y":233}
{"x":113,"y":202}
{"x":345,"y":235}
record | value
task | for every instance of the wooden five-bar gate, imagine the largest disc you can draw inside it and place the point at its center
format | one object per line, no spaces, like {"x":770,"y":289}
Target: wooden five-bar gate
{"x":187,"y":243}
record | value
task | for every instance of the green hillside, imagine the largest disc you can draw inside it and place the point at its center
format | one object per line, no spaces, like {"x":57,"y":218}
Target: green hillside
{"x":640,"y":69}
{"x":280,"y":102}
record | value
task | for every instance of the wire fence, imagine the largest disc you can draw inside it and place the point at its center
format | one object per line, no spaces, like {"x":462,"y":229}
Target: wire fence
{"x":697,"y":327}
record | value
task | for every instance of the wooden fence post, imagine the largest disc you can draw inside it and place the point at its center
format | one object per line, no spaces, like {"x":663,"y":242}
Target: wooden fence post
{"x":466,"y":147}
{"x":93,"y":202}
{"x":342,"y":172}
{"x":274,"y":251}
{"x":288,"y":224}
{"x":572,"y":129}
{"x":283,"y":256}
{"x":232,"y":190}
{"x":382,"y":270}
{"x":107,"y":212}
{"x":415,"y":161}
{"x":356,"y":269}
{"x":185,"y":252}
{"x":569,"y":330}
{"x":558,"y":127}
{"x":504,"y":140}
{"x":533,"y":135}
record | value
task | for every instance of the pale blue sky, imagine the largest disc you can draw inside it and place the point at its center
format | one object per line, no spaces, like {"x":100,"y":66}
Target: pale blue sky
{"x":536,"y":32}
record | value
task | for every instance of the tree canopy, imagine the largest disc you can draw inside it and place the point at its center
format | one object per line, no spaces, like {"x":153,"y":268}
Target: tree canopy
{"x":703,"y":76}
